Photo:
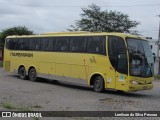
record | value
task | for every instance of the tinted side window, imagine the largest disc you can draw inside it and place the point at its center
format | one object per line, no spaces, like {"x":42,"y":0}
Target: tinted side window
{"x":51,"y":44}
{"x":47,"y":44}
{"x":77,"y":44}
{"x":34,"y":43}
{"x":97,"y":45}
{"x":11,"y":43}
{"x":22,"y":44}
{"x":62,"y":44}
{"x":114,"y":44}
{"x":117,"y":53}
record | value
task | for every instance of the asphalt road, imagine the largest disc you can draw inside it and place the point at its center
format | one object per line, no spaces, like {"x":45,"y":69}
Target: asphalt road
{"x":48,"y":95}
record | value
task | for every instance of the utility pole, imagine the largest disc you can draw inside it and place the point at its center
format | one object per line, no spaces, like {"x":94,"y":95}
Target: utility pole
{"x":158,"y":47}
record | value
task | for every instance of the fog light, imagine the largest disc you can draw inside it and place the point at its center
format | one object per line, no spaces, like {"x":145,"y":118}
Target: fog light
{"x":134,"y":82}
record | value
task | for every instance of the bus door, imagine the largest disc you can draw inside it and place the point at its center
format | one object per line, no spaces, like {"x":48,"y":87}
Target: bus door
{"x":118,"y":60}
{"x":121,"y":70}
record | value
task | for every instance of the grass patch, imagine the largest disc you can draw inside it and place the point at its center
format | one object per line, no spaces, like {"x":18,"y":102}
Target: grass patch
{"x":37,"y":106}
{"x":8,"y":105}
{"x":36,"y":118}
{"x":1,"y":64}
{"x":157,"y":77}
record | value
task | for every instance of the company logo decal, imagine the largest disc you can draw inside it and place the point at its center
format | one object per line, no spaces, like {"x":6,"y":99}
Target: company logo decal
{"x":21,"y":54}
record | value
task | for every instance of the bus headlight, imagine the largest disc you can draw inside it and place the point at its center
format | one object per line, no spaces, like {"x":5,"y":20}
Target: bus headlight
{"x":134,"y":82}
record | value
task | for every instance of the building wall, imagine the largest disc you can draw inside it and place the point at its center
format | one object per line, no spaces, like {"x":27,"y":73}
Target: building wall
{"x":152,"y":43}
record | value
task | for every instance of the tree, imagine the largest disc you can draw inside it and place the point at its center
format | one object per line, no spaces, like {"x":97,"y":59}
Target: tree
{"x":0,"y":38}
{"x":93,"y":19}
{"x":0,"y":34}
{"x":19,"y":30}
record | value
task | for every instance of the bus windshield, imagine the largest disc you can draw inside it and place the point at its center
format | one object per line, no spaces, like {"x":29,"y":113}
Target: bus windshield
{"x":141,"y":58}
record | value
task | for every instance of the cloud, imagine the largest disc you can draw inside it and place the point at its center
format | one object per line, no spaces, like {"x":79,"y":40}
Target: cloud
{"x":54,"y":15}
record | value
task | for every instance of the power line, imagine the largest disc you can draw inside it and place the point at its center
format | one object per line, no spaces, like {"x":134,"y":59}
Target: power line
{"x":134,"y":5}
{"x":148,"y":30}
{"x":1,"y":3}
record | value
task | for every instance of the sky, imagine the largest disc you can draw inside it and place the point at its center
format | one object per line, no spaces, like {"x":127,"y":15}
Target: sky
{"x":57,"y":15}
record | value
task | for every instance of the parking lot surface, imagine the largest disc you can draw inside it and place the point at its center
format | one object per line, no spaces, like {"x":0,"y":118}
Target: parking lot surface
{"x":49,"y":95}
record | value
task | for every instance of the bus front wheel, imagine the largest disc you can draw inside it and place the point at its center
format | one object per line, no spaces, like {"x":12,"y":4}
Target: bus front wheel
{"x":22,"y":73}
{"x":98,"y":84}
{"x":32,"y":74}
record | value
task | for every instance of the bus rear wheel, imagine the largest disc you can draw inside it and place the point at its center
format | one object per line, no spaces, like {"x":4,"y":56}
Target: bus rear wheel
{"x":98,"y":84}
{"x":32,"y":74}
{"x":22,"y":73}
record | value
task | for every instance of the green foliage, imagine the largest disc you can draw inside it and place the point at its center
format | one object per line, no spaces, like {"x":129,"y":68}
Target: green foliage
{"x":157,"y":77}
{"x":0,"y":34}
{"x":19,"y":30}
{"x":93,"y":19}
{"x":8,"y":105}
{"x":36,"y":118}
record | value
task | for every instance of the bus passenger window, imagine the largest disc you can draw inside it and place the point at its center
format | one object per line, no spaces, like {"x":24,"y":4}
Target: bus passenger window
{"x":34,"y":44}
{"x":77,"y":44}
{"x":116,"y":48}
{"x":62,"y":44}
{"x":96,"y":45}
{"x":12,"y":44}
{"x":23,"y":44}
{"x":47,"y":44}
{"x":51,"y":44}
{"x":20,"y":44}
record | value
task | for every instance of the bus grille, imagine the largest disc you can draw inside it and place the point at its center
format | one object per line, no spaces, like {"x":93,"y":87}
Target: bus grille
{"x":7,"y":65}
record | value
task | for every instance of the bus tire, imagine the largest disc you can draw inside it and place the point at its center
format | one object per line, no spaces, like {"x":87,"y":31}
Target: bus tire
{"x":32,"y":75}
{"x":22,"y":73}
{"x":98,"y":84}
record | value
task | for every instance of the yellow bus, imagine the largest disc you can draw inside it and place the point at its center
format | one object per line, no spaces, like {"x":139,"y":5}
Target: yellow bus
{"x":103,"y":60}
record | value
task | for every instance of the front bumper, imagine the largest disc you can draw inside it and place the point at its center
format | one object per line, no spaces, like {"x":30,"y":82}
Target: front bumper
{"x":134,"y":87}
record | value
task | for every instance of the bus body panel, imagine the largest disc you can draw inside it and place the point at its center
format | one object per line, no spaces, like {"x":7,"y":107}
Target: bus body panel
{"x":82,"y":72}
{"x":121,"y":81}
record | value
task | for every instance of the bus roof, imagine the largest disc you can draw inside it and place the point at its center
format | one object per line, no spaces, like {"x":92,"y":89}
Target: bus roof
{"x":75,"y":33}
